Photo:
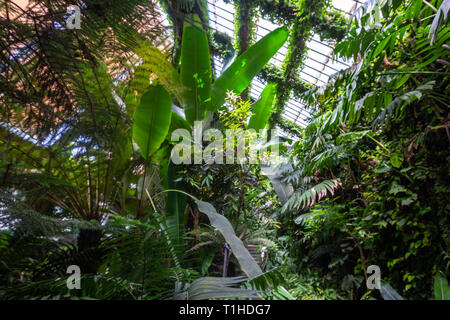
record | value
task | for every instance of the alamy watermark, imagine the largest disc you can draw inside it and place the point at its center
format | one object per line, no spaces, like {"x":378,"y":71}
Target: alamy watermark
{"x":73,"y":21}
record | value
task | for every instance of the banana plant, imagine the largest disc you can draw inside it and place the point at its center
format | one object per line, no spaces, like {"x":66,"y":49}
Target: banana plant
{"x":154,"y":118}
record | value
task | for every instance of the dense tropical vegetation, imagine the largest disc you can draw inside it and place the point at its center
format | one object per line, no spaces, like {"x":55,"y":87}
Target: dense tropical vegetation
{"x":88,"y":118}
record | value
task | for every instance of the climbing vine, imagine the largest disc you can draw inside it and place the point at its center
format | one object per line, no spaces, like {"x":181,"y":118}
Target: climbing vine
{"x":301,"y":31}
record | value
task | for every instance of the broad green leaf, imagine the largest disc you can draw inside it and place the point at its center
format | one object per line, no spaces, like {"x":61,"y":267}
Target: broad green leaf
{"x":439,"y":19}
{"x":195,"y":71}
{"x":388,"y":293}
{"x":401,"y":81}
{"x":262,"y":109}
{"x":387,"y":99}
{"x":441,"y":287}
{"x":241,"y":72}
{"x":413,"y":10}
{"x":218,"y":221}
{"x":282,"y":294}
{"x":152,"y":120}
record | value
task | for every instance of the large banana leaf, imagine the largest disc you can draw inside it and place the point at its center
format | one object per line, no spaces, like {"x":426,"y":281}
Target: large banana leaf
{"x":262,"y":109}
{"x":214,"y":288}
{"x":246,"y":261}
{"x":152,"y":120}
{"x":175,"y":208}
{"x":195,"y":70}
{"x":239,"y":75}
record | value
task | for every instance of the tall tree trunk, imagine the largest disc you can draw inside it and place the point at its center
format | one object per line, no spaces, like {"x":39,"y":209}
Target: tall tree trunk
{"x":88,"y":241}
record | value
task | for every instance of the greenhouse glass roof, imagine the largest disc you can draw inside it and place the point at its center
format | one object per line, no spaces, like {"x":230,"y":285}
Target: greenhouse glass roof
{"x":318,"y":66}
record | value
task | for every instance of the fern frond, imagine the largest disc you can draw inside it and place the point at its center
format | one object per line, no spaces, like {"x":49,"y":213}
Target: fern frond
{"x":301,"y":199}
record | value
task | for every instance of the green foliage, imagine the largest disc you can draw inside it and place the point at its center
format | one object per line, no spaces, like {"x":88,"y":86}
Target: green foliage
{"x":295,"y":84}
{"x":301,"y":31}
{"x":45,"y":72}
{"x":175,"y":208}
{"x":439,"y":19}
{"x":246,"y":261}
{"x":154,"y":63}
{"x":85,"y":175}
{"x":222,"y":46}
{"x":195,"y":71}
{"x":245,"y":24}
{"x":300,"y":200}
{"x":152,"y":120}
{"x":235,"y":114}
{"x":214,"y":288}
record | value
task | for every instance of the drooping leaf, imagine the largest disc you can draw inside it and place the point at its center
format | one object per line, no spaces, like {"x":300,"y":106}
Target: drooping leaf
{"x":396,"y":159}
{"x":350,"y":137}
{"x":246,"y":261}
{"x":178,"y":122}
{"x":262,"y":109}
{"x":152,"y":120}
{"x":306,"y":198}
{"x":195,"y":71}
{"x":241,"y":72}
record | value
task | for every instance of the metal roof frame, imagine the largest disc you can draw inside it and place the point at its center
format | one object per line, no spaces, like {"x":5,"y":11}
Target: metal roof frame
{"x":317,"y":68}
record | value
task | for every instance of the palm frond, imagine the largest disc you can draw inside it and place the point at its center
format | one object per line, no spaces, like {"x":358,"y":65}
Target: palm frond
{"x":306,"y":198}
